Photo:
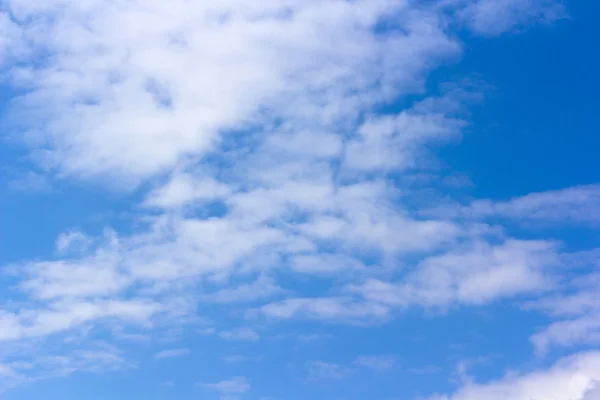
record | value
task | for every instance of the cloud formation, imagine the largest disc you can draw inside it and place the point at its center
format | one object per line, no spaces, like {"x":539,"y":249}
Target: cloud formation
{"x":171,"y":353}
{"x":230,"y":388}
{"x":573,"y":378}
{"x":263,"y":145}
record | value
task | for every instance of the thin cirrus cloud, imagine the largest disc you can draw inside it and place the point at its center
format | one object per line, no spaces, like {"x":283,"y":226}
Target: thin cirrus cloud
{"x":377,"y":363}
{"x":240,"y":335}
{"x":493,"y":17}
{"x":577,"y":205}
{"x":254,"y":134}
{"x":171,"y":353}
{"x":228,"y":388}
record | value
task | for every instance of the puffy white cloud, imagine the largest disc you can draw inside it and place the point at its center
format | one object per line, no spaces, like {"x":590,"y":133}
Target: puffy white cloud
{"x":251,"y":129}
{"x":135,"y":101}
{"x":478,"y":274}
{"x":571,"y":378}
{"x":183,"y":189}
{"x":394,"y":142}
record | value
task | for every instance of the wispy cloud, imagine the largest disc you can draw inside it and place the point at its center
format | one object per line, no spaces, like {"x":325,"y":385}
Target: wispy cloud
{"x":318,"y":370}
{"x":229,"y":388}
{"x":31,"y":183}
{"x":93,"y":358}
{"x":478,"y":274}
{"x":171,"y":353}
{"x":378,"y":363}
{"x":152,"y":95}
{"x":322,"y":370}
{"x":578,"y":205}
{"x":493,"y":17}
{"x":240,"y":334}
{"x":261,"y":289}
{"x":256,"y":136}
{"x":234,"y":358}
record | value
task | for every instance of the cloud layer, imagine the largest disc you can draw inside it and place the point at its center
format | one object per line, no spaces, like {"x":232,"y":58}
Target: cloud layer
{"x":265,"y":143}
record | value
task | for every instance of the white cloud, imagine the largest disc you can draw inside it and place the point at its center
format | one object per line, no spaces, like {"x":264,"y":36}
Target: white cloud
{"x":230,"y":388}
{"x":476,"y":275}
{"x":183,"y":189}
{"x":571,"y":378}
{"x":249,"y":129}
{"x":240,"y":335}
{"x":318,"y":370}
{"x":578,"y":331}
{"x":11,"y":41}
{"x":93,"y":358}
{"x":483,"y":273}
{"x":63,"y":279}
{"x":234,"y":358}
{"x":30,"y":182}
{"x":430,"y":369}
{"x":575,"y":205}
{"x":171,"y":353}
{"x":377,"y":363}
{"x":574,"y":309}
{"x":136,"y":101}
{"x":493,"y":17}
{"x":394,"y":142}
{"x":261,"y":289}
{"x":326,"y":309}
{"x":64,"y":316}
{"x":73,"y":240}
{"x":324,"y":264}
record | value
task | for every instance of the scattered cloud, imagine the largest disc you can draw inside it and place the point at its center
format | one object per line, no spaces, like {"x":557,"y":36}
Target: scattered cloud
{"x":312,"y":337}
{"x":32,"y":183}
{"x":139,"y":115}
{"x":73,"y":240}
{"x":256,"y":139}
{"x":171,"y":353}
{"x":325,"y":308}
{"x":478,"y":274}
{"x":378,"y":363}
{"x":493,"y":17}
{"x":240,"y":335}
{"x":577,"y":205}
{"x":93,"y":358}
{"x":320,"y":370}
{"x":230,"y":388}
{"x":573,"y":377}
{"x":234,"y":358}
{"x":430,"y":369}
{"x":261,"y":289}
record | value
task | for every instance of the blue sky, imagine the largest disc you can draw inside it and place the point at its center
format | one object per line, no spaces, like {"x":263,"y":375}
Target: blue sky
{"x":285,"y":199}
